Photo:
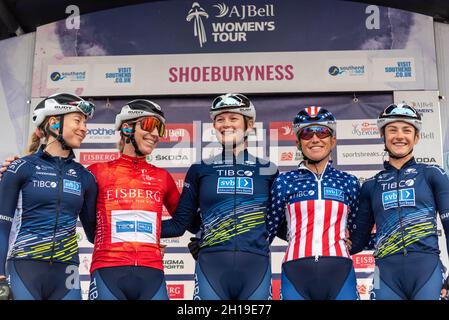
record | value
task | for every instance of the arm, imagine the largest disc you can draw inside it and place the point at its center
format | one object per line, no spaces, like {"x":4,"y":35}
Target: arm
{"x":276,"y":211}
{"x":361,"y":220}
{"x":439,"y":182}
{"x":88,"y":212}
{"x":186,"y":209}
{"x":10,"y":185}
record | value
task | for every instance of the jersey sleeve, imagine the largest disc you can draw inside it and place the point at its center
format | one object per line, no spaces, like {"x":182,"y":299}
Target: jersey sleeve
{"x":186,"y":209}
{"x":88,"y":212}
{"x":361,"y":220}
{"x":439,"y":182}
{"x":171,"y":196}
{"x":276,"y":209}
{"x":10,"y":185}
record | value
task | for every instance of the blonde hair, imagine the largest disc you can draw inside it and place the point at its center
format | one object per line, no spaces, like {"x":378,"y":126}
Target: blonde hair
{"x":35,"y":139}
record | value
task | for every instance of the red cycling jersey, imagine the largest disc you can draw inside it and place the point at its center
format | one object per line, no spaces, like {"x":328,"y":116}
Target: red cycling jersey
{"x":131,"y":194}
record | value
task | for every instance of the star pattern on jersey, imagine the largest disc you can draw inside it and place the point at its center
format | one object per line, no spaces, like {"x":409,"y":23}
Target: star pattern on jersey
{"x":287,"y":184}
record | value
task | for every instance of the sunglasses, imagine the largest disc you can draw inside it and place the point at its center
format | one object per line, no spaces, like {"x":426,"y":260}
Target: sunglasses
{"x":404,"y":110}
{"x":85,"y":107}
{"x":149,"y":123}
{"x":320,"y":131}
{"x":230,"y":101}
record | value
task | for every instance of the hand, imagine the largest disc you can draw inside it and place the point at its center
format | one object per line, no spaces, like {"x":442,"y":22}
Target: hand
{"x":162,"y":248}
{"x":5,"y":290}
{"x":194,"y":247}
{"x":6,"y":164}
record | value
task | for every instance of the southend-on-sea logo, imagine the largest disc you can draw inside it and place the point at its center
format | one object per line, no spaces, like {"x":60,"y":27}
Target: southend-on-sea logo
{"x":196,"y":14}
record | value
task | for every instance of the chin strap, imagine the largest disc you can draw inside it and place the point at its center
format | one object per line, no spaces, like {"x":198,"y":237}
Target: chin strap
{"x":59,"y":137}
{"x":391,"y":155}
{"x":129,"y":135}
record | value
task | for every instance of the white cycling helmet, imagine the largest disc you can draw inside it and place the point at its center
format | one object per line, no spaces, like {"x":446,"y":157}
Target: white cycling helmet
{"x":400,"y":112}
{"x":60,"y":104}
{"x":233,"y":102}
{"x":136,"y":109}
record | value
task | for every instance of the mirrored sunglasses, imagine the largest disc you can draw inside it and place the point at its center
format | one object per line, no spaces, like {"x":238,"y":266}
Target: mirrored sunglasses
{"x":320,"y":131}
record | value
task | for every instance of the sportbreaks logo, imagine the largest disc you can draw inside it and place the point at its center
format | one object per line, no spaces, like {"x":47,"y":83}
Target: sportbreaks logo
{"x":231,"y":30}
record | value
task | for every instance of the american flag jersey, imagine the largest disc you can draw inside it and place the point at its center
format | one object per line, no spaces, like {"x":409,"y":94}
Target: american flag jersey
{"x":316,"y":208}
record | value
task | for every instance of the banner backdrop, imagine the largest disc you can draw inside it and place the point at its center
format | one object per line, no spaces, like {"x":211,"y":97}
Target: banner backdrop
{"x":187,"y":47}
{"x":186,"y":141}
{"x":16,"y":56}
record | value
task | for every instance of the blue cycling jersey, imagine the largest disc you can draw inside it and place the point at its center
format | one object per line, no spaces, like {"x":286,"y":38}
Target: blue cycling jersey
{"x":55,"y":191}
{"x":403,"y":205}
{"x":232,"y":194}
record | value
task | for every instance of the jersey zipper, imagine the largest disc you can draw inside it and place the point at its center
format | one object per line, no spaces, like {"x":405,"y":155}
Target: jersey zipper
{"x":318,"y":179}
{"x":399,"y":212}
{"x":58,"y":212}
{"x":235,"y":204}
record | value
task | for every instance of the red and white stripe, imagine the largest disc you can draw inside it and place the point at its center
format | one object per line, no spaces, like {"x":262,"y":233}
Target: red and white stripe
{"x":317,"y":228}
{"x":313,"y":111}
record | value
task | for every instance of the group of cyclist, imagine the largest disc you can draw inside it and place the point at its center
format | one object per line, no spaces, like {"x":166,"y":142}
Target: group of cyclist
{"x":237,"y":202}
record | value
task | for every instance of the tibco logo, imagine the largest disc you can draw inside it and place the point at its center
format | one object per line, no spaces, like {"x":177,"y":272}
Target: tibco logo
{"x":44,"y":184}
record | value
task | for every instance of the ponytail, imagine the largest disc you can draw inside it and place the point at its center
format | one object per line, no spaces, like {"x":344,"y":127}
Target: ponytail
{"x":36,"y":137}
{"x":34,"y":144}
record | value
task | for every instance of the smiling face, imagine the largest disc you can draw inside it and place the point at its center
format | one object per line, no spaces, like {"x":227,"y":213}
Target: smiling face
{"x":230,"y":128}
{"x":75,"y":129}
{"x":400,"y":138}
{"x":146,"y":141}
{"x":316,"y":148}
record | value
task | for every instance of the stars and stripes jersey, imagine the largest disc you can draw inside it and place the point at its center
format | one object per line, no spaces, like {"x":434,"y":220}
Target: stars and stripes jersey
{"x":316,"y":210}
{"x":131,"y":196}
{"x":403,"y":204}
{"x":50,"y":194}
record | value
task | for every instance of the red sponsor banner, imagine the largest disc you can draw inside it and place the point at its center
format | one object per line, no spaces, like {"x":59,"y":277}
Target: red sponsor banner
{"x":362,"y":288}
{"x":363,"y":261}
{"x":287,"y":156}
{"x":276,"y":289}
{"x":88,"y":158}
{"x":175,"y":291}
{"x":177,"y":132}
{"x":284,"y":129}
